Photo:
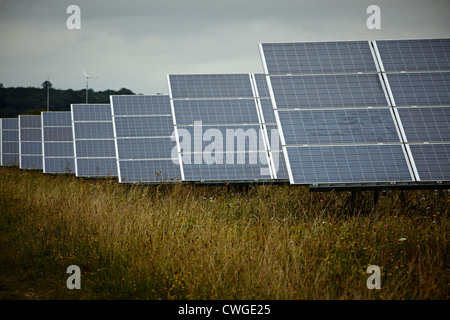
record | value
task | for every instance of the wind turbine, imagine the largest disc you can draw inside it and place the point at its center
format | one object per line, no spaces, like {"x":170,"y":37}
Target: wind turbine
{"x":87,"y":85}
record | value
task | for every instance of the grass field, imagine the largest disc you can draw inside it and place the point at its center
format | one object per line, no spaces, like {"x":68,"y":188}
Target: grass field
{"x":217,"y":242}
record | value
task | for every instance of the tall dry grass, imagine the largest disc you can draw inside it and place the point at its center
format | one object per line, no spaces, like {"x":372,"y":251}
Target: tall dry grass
{"x":220,"y":242}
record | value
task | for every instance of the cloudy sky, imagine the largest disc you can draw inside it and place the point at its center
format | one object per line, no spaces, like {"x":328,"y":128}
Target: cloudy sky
{"x":136,"y":43}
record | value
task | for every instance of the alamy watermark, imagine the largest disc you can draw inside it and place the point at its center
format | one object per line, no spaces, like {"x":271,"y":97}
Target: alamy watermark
{"x":74,"y":280}
{"x":374,"y":281}
{"x":374,"y":20}
{"x":74,"y":20}
{"x":226,"y":146}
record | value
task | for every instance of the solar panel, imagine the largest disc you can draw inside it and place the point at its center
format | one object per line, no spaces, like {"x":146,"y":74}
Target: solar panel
{"x":94,"y":148}
{"x":414,"y":54}
{"x":30,"y":136}
{"x":432,"y":161}
{"x":57,"y":142}
{"x":338,"y":126}
{"x":360,"y":164}
{"x":426,"y":124}
{"x":318,"y":57}
{"x":220,"y":128}
{"x":425,"y":89}
{"x":143,"y":135}
{"x":334,"y":114}
{"x":328,"y":91}
{"x":10,"y":142}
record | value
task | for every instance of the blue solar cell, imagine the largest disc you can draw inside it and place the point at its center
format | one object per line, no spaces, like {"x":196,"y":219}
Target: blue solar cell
{"x":58,"y":149}
{"x":144,"y":126}
{"x":226,"y":172}
{"x":215,"y":111}
{"x":57,"y":134}
{"x":28,"y":134}
{"x":97,"y":167}
{"x":59,"y":165}
{"x":30,"y":121}
{"x":348,"y":164}
{"x":10,"y":147}
{"x":30,"y":148}
{"x":91,"y":112}
{"x":415,"y":54}
{"x":432,"y":161}
{"x":338,"y":126}
{"x":352,"y":90}
{"x":95,"y":149}
{"x":10,"y":159}
{"x":318,"y":57}
{"x":30,"y":162}
{"x":93,"y":130}
{"x":145,"y":148}
{"x":427,"y":124}
{"x":56,"y":118}
{"x":10,"y":124}
{"x":199,"y":86}
{"x":146,"y":171}
{"x":420,"y":89}
{"x":132,"y":105}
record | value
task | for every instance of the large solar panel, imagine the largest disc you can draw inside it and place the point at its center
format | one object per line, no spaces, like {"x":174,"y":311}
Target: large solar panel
{"x":57,"y":142}
{"x":94,"y":148}
{"x":221,"y":128}
{"x":143,"y":133}
{"x":334,"y":114}
{"x":30,"y":136}
{"x":380,"y":97}
{"x":10,"y":142}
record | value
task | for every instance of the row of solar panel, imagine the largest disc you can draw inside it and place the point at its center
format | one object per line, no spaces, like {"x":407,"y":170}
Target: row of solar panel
{"x":134,"y":137}
{"x":324,"y":113}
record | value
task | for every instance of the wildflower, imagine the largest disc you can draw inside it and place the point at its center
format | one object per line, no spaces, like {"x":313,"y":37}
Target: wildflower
{"x":402,"y":239}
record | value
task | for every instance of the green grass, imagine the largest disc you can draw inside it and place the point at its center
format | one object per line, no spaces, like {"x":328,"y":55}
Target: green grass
{"x":217,"y":242}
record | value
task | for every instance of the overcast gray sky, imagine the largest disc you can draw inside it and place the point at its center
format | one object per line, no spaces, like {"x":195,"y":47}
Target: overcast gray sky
{"x":136,"y":43}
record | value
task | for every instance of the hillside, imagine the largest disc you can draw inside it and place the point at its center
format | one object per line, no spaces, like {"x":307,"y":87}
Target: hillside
{"x":19,"y":100}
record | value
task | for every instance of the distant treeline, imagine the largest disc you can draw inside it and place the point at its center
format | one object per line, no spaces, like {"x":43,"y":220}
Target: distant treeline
{"x":16,"y":101}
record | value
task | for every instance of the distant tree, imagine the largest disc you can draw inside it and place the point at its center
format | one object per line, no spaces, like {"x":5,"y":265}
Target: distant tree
{"x":47,"y":85}
{"x":1,"y":85}
{"x":125,"y":91}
